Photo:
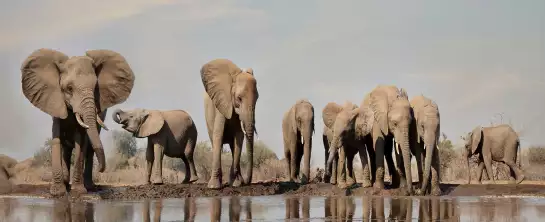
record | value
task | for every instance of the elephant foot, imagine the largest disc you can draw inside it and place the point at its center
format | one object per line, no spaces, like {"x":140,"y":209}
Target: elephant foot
{"x":419,"y":192}
{"x":214,"y":183}
{"x":378,"y":185}
{"x":57,"y":189}
{"x":90,"y":185}
{"x":395,"y":182}
{"x":157,"y":180}
{"x":436,"y":191}
{"x":520,"y":179}
{"x":193,"y":179}
{"x":342,"y":185}
{"x":304,"y":179}
{"x":350,"y":182}
{"x":78,"y":189}
{"x":366,"y":183}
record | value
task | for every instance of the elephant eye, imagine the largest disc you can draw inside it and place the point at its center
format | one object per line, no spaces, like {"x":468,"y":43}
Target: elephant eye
{"x":69,"y":89}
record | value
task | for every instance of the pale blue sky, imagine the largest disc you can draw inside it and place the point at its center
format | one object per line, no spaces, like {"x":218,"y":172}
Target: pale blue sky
{"x":474,"y":58}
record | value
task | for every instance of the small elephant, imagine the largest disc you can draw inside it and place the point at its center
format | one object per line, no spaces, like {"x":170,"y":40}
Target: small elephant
{"x":392,"y":116}
{"x":76,"y":92}
{"x":171,"y":133}
{"x":498,"y":143}
{"x":424,"y":136}
{"x":297,"y":130}
{"x":229,"y":110}
{"x":345,"y":129}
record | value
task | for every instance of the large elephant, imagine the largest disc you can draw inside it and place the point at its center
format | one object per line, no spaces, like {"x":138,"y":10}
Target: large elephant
{"x":424,"y":135}
{"x":498,"y":143}
{"x":345,"y":129}
{"x":170,"y":132}
{"x":76,"y":91}
{"x":391,"y":112}
{"x":229,"y":106}
{"x":297,"y":131}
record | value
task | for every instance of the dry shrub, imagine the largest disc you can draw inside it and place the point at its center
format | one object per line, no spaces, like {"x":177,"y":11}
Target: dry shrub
{"x":536,"y":155}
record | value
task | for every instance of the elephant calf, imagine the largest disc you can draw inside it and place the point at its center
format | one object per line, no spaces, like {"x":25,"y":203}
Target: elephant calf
{"x":498,"y":143}
{"x":297,"y":129}
{"x":171,"y":132}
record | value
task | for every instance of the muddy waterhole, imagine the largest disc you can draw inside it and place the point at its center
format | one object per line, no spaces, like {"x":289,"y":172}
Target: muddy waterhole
{"x":277,"y":207}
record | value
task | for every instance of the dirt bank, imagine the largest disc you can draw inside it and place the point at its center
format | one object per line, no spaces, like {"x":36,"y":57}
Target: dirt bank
{"x":262,"y":189}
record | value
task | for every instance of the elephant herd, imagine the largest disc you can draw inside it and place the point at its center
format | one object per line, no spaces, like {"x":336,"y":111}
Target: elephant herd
{"x":77,"y":91}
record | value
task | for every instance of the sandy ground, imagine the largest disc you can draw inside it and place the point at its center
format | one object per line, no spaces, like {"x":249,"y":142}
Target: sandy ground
{"x":113,"y":192}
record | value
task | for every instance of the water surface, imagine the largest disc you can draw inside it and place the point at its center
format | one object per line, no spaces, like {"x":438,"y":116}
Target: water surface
{"x":274,"y":208}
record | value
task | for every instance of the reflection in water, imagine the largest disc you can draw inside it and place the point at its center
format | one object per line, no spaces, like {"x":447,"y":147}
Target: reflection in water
{"x":234,"y":209}
{"x":63,"y":210}
{"x":276,"y":207}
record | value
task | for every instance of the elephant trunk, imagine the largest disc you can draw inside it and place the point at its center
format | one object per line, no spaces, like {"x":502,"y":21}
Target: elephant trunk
{"x":429,"y":146}
{"x":307,"y":149}
{"x":115,"y":115}
{"x":89,"y":118}
{"x":405,"y":151}
{"x":333,"y":148}
{"x":249,"y":128}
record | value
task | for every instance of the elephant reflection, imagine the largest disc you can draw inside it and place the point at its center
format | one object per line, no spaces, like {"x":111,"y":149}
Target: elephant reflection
{"x":339,"y":208}
{"x":234,"y":209}
{"x":401,"y":209}
{"x":292,"y":207}
{"x":63,"y":210}
{"x":190,"y":210}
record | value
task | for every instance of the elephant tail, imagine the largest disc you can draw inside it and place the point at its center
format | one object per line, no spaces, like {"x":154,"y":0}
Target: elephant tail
{"x":519,"y":157}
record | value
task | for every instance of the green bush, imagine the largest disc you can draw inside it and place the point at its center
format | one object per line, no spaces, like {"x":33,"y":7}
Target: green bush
{"x":125,"y":147}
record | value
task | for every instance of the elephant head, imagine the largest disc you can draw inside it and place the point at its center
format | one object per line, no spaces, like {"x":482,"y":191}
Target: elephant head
{"x":140,"y":122}
{"x":83,"y":85}
{"x":341,"y":120}
{"x":233,"y":90}
{"x":472,"y":141}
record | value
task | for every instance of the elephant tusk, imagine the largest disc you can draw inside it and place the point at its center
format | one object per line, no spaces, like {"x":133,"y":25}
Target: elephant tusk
{"x":80,"y":122}
{"x":99,"y":121}
{"x":397,"y":148}
{"x":302,"y":140}
{"x":242,"y":127}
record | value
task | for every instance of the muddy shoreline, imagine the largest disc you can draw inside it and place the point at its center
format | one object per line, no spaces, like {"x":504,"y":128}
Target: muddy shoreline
{"x":139,"y":192}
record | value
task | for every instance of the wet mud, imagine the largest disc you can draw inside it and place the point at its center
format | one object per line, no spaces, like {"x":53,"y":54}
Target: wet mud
{"x":107,"y":192}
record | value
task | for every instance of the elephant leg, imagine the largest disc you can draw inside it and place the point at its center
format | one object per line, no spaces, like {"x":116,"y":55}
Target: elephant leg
{"x":396,"y":171}
{"x":341,"y":165}
{"x":378,"y":142}
{"x":187,"y":174}
{"x":67,"y":159}
{"x":149,"y":161}
{"x":372,"y":159}
{"x":217,"y":142}
{"x":77,"y":180}
{"x":365,"y":166}
{"x":190,"y":148}
{"x":57,"y":187}
{"x":480,"y":169}
{"x":158,"y":149}
{"x":287,"y":157}
{"x":350,"y":180}
{"x":418,"y":152}
{"x":335,"y":169}
{"x":300,"y":151}
{"x":237,"y":175}
{"x":88,"y":168}
{"x":488,"y":167}
{"x":515,"y":171}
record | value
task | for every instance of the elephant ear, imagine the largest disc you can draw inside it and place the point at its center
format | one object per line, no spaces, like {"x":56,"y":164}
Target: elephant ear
{"x":153,"y":122}
{"x":41,"y":81}
{"x":329,"y":114}
{"x":217,"y":78}
{"x":402,"y":93}
{"x":476,"y":136}
{"x":115,"y":77}
{"x":379,"y":106}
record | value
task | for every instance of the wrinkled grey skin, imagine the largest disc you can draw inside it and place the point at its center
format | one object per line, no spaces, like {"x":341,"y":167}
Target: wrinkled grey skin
{"x":499,"y":143}
{"x":391,"y":110}
{"x":6,"y":172}
{"x":345,"y":129}
{"x":76,"y":92}
{"x":424,"y":136}
{"x":229,"y":110}
{"x":170,"y":132}
{"x":297,"y":131}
